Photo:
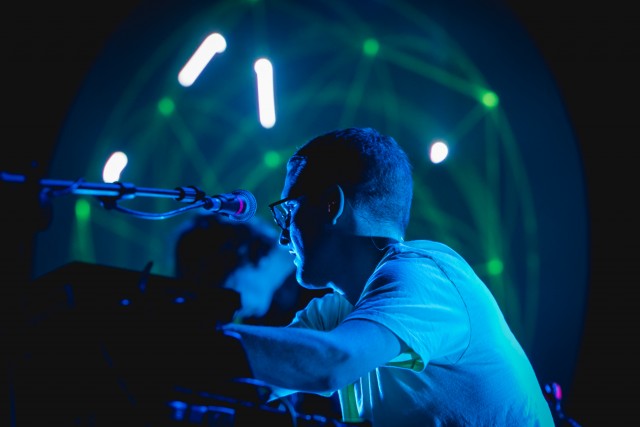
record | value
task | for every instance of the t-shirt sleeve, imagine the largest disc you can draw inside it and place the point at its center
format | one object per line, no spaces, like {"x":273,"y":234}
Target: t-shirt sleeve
{"x":323,"y":313}
{"x":415,"y":299}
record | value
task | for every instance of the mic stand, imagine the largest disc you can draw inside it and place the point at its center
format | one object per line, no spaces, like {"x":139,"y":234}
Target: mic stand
{"x":30,"y":322}
{"x":110,"y":193}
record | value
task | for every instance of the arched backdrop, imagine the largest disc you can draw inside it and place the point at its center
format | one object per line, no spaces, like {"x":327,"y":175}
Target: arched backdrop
{"x":510,"y":197}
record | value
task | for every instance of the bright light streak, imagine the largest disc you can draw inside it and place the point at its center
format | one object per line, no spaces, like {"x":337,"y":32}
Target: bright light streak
{"x":438,"y":152}
{"x":266,"y":103}
{"x":214,"y":43}
{"x":114,"y":167}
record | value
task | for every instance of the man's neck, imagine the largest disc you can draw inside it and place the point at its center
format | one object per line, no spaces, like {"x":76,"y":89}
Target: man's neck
{"x":359,"y":255}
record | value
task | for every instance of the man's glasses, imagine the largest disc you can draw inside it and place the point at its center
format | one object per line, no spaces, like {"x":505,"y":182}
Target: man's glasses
{"x":281,"y":211}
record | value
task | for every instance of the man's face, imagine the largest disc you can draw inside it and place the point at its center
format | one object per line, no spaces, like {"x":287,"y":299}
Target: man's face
{"x":306,"y":237}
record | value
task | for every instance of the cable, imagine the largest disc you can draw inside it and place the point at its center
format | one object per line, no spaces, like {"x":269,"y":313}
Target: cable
{"x":109,"y":203}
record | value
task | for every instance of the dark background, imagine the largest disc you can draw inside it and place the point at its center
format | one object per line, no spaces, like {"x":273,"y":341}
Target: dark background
{"x":593,"y":50}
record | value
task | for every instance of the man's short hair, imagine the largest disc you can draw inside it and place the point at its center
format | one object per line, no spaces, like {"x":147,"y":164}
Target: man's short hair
{"x":372,"y":169}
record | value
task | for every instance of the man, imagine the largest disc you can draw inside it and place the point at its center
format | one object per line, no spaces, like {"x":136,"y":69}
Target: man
{"x":410,"y":336}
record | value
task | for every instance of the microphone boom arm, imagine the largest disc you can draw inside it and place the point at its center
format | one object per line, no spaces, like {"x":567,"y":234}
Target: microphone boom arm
{"x":110,"y":193}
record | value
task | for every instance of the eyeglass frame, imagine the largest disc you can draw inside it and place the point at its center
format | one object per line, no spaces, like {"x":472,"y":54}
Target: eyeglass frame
{"x":278,"y":216}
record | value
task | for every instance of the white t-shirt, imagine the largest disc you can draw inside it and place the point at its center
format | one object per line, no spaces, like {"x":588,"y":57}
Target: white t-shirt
{"x":464,"y":367}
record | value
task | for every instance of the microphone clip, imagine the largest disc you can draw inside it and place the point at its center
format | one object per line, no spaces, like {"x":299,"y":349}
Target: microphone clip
{"x":190,"y":194}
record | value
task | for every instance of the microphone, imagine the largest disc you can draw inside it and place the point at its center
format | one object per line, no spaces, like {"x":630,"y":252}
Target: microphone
{"x":239,"y":205}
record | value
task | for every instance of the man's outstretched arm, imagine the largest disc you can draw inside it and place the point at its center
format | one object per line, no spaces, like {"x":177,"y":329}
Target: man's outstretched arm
{"x":316,"y":361}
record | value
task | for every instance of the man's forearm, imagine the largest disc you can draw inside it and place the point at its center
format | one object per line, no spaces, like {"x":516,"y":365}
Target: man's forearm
{"x":267,"y":346}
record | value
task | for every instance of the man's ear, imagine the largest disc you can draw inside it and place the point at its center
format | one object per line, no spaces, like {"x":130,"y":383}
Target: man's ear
{"x":335,"y":204}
